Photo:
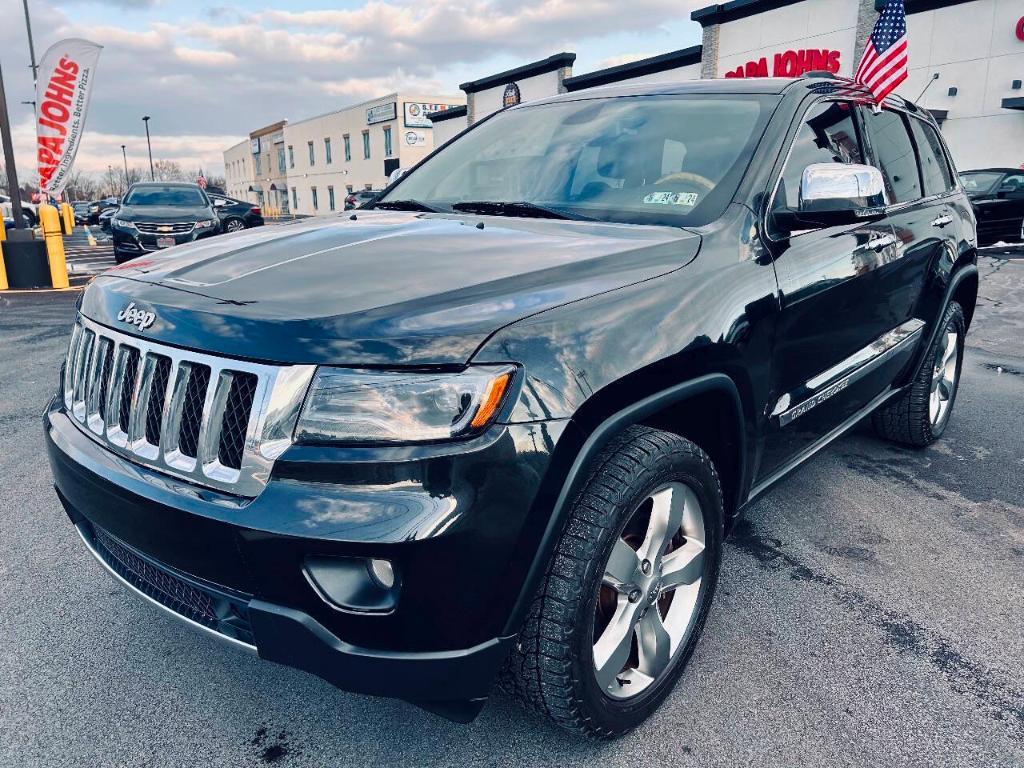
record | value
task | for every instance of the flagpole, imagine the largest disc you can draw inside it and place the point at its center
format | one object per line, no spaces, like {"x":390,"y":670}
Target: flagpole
{"x":12,"y":174}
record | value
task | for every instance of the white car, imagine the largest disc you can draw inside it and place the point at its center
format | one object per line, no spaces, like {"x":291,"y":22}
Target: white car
{"x":29,"y":209}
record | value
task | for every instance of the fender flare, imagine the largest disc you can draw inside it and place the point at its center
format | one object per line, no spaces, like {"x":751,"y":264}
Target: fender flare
{"x":961,"y":274}
{"x":592,"y":446}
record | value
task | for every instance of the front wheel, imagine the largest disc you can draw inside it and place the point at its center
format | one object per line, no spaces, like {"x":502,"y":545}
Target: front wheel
{"x":628,"y":589}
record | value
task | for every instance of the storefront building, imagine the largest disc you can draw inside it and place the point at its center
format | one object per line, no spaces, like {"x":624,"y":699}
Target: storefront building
{"x":308,"y":167}
{"x":966,"y":64}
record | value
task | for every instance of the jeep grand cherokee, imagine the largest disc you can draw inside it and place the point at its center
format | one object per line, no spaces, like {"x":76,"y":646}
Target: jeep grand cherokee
{"x":497,"y":425}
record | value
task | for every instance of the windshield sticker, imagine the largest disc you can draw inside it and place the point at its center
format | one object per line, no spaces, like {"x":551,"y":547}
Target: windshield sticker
{"x":672,"y":198}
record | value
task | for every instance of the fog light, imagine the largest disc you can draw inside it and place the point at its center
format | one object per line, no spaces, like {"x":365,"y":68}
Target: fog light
{"x":357,"y":584}
{"x":383,"y":572}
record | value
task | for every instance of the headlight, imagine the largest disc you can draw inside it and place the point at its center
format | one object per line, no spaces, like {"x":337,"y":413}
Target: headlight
{"x":206,"y":224}
{"x":362,"y":406}
{"x":123,"y":224}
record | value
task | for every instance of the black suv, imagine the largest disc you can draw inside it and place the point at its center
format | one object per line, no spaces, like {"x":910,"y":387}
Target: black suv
{"x":161,"y":214}
{"x":498,"y":425}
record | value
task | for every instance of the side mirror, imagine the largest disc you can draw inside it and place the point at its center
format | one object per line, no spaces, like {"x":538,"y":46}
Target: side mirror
{"x":834,"y":194}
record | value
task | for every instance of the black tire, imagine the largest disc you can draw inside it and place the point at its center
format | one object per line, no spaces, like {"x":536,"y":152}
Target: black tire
{"x":551,"y":669}
{"x":232,"y":225}
{"x":908,"y":420}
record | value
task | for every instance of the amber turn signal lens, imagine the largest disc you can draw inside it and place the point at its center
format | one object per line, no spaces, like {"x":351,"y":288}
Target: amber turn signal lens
{"x":495,"y":392}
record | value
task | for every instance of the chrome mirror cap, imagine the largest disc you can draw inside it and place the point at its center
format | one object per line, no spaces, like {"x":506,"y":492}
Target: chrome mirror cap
{"x":841,"y":186}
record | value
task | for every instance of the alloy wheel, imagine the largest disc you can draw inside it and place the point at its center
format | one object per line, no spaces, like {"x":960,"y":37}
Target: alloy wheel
{"x":650,"y":591}
{"x":234,"y":225}
{"x":944,"y":378}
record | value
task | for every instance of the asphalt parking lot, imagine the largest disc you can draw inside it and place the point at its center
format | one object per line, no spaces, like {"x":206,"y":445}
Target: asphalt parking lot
{"x":871,"y":612}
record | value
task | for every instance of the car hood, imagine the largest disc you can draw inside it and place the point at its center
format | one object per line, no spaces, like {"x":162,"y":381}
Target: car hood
{"x":378,"y":288}
{"x":156,"y":214}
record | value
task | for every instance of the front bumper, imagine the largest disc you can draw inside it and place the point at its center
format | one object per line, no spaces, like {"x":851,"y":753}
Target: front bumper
{"x":131,"y":243}
{"x":452,"y":524}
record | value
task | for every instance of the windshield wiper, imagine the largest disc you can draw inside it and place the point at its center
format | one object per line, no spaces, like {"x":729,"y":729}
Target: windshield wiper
{"x":404,"y":205}
{"x":521,"y":209}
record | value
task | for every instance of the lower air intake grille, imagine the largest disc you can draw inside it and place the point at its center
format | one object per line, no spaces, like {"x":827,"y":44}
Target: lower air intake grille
{"x":219,"y":611}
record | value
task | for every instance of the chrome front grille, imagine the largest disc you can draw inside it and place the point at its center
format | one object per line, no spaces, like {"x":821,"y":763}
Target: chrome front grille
{"x":175,"y":228}
{"x":215,"y":421}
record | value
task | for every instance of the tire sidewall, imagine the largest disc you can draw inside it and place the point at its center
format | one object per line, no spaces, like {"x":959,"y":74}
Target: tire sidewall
{"x":619,"y":715}
{"x":953,"y":318}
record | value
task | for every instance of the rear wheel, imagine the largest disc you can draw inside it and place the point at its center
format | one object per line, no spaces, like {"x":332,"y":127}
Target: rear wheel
{"x":920,"y":416}
{"x":234,"y":225}
{"x":628,"y":590}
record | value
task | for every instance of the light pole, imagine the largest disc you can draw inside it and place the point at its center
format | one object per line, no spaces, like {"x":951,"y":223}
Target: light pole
{"x":12,"y":174}
{"x":31,"y":45}
{"x":125,"y":156}
{"x":149,"y":146}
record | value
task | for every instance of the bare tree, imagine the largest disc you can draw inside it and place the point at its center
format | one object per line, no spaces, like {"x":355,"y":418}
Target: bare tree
{"x":81,"y":186}
{"x":168,"y":170}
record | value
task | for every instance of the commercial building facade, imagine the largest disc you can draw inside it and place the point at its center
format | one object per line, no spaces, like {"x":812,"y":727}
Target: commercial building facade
{"x":966,"y":64}
{"x":308,"y":167}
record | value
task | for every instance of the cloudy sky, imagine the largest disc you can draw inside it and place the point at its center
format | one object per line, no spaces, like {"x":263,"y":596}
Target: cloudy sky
{"x":210,"y":73}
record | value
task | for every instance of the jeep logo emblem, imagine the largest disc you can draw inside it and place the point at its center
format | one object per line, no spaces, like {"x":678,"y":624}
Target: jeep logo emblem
{"x":137,"y":317}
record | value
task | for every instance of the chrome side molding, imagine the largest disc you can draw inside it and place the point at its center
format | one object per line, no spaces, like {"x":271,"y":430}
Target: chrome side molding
{"x":834,"y":380}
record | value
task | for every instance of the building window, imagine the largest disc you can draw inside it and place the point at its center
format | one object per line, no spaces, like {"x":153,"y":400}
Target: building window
{"x":351,"y":188}
{"x":366,"y":145}
{"x":312,"y":156}
{"x":258,"y":159}
{"x":348,"y":148}
{"x":280,"y":159}
{"x":368,"y":187}
{"x":327,"y":151}
{"x":316,"y":202}
{"x":330,"y":198}
{"x":387,"y":141}
{"x":291,"y":156}
{"x":295,"y":199}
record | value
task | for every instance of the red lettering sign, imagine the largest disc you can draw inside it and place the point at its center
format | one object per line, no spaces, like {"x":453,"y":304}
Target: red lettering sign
{"x":791,"y":63}
{"x":1020,"y":28}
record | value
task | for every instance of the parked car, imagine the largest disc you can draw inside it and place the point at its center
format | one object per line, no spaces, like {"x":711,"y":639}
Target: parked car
{"x":29,"y":210}
{"x":360,"y":198}
{"x":81,"y":210}
{"x":499,"y":424}
{"x":997,"y":195}
{"x":106,"y":217}
{"x":161,"y":214}
{"x":236,"y":215}
{"x":96,"y":207}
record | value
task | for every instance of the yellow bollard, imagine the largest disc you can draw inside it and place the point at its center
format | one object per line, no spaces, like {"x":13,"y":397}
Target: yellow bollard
{"x":50,"y":221}
{"x":3,"y":267}
{"x":67,"y":218}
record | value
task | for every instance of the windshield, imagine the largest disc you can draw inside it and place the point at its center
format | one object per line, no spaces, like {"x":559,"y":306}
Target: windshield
{"x":673,"y":160}
{"x":979,"y":182}
{"x":169,"y":195}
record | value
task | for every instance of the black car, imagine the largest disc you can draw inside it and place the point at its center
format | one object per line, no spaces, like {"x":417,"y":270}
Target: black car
{"x":498,"y":424}
{"x":161,"y":214}
{"x":361,"y":198}
{"x":106,"y":217}
{"x":81,"y":210}
{"x":235,"y":215}
{"x":997,"y":195}
{"x":96,"y":207}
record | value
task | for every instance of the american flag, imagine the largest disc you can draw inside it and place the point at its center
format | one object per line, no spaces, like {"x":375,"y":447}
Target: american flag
{"x":884,"y":64}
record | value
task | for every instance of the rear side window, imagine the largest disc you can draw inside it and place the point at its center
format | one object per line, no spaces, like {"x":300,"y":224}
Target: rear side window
{"x":938,"y":176}
{"x":827,"y":135}
{"x":894,"y":154}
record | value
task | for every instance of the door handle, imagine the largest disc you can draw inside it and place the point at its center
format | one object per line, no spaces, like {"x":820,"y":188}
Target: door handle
{"x":880,"y":243}
{"x":942,"y":220}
